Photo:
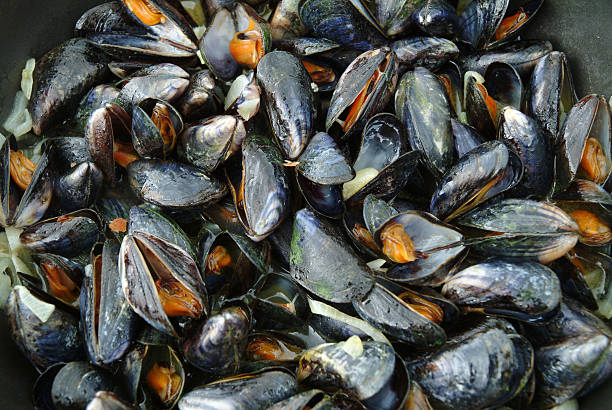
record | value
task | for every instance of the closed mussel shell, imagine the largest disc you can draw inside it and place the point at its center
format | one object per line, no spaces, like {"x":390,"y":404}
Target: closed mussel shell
{"x":518,"y":290}
{"x":45,"y":332}
{"x":78,"y":187}
{"x":422,"y":105}
{"x":466,"y":138}
{"x":404,"y":237}
{"x":323,"y":162}
{"x":289,"y":99}
{"x":482,"y":173}
{"x":524,"y":228}
{"x":201,"y":98}
{"x":253,"y":390}
{"x":364,"y":89}
{"x":428,"y":52}
{"x":261,"y":196}
{"x":207,"y":143}
{"x":323,"y":262}
{"x":437,"y":18}
{"x":490,"y":361}
{"x":171,"y":184}
{"x":523,"y":136}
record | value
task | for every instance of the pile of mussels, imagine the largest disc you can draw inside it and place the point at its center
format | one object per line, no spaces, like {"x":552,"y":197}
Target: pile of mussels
{"x":318,"y":204}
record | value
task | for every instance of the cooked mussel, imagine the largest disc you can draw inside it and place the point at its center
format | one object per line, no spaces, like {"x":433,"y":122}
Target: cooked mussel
{"x":437,"y":18}
{"x":518,"y":290}
{"x":261,"y":192}
{"x":285,"y":84}
{"x":201,"y":98}
{"x":60,"y":276}
{"x":156,"y":126}
{"x":428,"y":52}
{"x":364,"y":89}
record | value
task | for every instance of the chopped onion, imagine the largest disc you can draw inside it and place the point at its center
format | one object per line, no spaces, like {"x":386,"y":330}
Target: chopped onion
{"x":19,"y":121}
{"x":195,"y":11}
{"x":42,"y":310}
{"x":27,"y":79}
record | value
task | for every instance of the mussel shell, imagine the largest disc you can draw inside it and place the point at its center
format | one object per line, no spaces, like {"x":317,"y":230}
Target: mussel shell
{"x":279,"y":303}
{"x":376,"y":212}
{"x":437,"y":18}
{"x":289,"y":99}
{"x":146,"y":136}
{"x":68,"y":235}
{"x":551,"y":91}
{"x":61,"y":79}
{"x":339,"y":21}
{"x":44,"y":332}
{"x":428,"y":52}
{"x":106,"y":400}
{"x":504,"y":85}
{"x":77,"y":383}
{"x":265,"y":185}
{"x":564,"y":369}
{"x":79,"y":187}
{"x":217,"y":345}
{"x":527,"y":10}
{"x":206,"y":144}
{"x":484,"y":366}
{"x":522,"y":55}
{"x":98,"y":97}
{"x":426,"y":233}
{"x":525,"y":291}
{"x":422,"y":105}
{"x":257,"y":390}
{"x":479,"y":20}
{"x":50,"y":264}
{"x":201,"y":98}
{"x":325,"y":199}
{"x":583,"y":190}
{"x":363,"y":371}
{"x":107,"y":318}
{"x":387,"y":312}
{"x":323,"y":162}
{"x":533,"y":146}
{"x":301,"y":401}
{"x":525,"y":229}
{"x":172,"y":184}
{"x":466,"y":138}
{"x":167,"y":87}
{"x":588,"y":118}
{"x":482,"y":173}
{"x":323,"y":262}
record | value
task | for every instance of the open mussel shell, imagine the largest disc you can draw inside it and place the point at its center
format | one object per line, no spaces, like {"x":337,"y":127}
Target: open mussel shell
{"x":235,"y":36}
{"x":168,"y":87}
{"x":243,"y":96}
{"x":437,"y":18}
{"x":59,"y":276}
{"x":323,"y":162}
{"x":153,"y":273}
{"x":261,"y":192}
{"x":155,"y":127}
{"x":584,"y":143}
{"x":364,"y":89}
{"x":106,"y":400}
{"x":384,"y":165}
{"x":523,"y":55}
{"x":67,"y":235}
{"x":217,"y":345}
{"x":154,"y":376}
{"x":428,"y":52}
{"x":491,"y":358}
{"x":423,"y":107}
{"x":524,"y":291}
{"x":340,"y":21}
{"x":171,"y":184}
{"x":260,"y":390}
{"x":522,"y":228}
{"x":593,"y":219}
{"x":513,"y":22}
{"x":279,"y":303}
{"x":207,"y":143}
{"x":551,"y":92}
{"x":482,"y":173}
{"x":533,"y":146}
{"x":45,"y":331}
{"x":32,"y":205}
{"x":504,"y":85}
{"x":323,"y":262}
{"x":76,"y":384}
{"x":289,"y":99}
{"x":479,"y":21}
{"x":426,"y":233}
{"x":107,"y":318}
{"x":392,"y":315}
{"x":201,"y":98}
{"x":376,"y":212}
{"x":585,"y":275}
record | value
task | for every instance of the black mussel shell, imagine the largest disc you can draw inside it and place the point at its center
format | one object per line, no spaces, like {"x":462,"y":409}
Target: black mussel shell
{"x":437,"y":18}
{"x":323,"y":162}
{"x":428,"y":52}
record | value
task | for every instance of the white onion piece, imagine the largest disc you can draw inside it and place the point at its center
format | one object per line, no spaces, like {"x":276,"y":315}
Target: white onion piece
{"x":27,"y":79}
{"x":19,"y":121}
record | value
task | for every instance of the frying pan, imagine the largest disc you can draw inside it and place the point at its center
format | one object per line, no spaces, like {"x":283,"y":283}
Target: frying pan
{"x":28,"y":28}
